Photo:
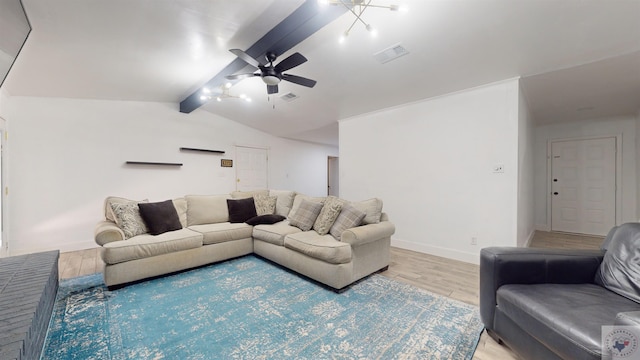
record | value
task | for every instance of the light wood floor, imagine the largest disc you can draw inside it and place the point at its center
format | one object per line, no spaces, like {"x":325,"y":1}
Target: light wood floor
{"x":455,"y":279}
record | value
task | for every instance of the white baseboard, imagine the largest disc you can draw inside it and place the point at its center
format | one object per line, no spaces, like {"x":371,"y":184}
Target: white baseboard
{"x":438,"y":251}
{"x":542,"y":227}
{"x":530,"y":238}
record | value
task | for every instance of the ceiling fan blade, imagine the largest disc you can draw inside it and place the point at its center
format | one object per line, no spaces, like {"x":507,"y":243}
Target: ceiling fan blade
{"x":290,"y":62}
{"x":299,"y":80}
{"x":272,"y":89}
{"x":245,"y":57}
{"x":241,"y":76}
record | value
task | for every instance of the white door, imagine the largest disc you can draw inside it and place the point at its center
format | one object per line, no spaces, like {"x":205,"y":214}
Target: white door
{"x":4,"y":243}
{"x":333,"y":187}
{"x":251,"y":168}
{"x":583,"y":186}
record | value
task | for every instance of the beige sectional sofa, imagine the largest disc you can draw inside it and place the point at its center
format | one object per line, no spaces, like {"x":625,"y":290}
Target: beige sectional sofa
{"x":205,"y":235}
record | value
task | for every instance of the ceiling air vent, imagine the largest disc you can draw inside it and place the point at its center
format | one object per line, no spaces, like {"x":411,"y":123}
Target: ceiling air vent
{"x":289,"y":97}
{"x":390,"y":53}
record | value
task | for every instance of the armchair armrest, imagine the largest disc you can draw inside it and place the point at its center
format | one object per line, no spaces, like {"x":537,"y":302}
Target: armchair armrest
{"x":368,"y":233}
{"x":106,"y":232}
{"x":509,"y":265}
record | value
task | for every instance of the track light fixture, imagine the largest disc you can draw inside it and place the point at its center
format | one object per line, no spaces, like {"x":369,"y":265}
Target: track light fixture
{"x":357,"y":7}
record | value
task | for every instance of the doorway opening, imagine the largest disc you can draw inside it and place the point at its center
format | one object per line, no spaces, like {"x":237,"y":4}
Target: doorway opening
{"x":333,"y":176}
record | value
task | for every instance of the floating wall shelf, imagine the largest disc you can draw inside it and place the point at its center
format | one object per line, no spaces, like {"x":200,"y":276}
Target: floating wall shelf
{"x":202,"y":150}
{"x":152,"y":163}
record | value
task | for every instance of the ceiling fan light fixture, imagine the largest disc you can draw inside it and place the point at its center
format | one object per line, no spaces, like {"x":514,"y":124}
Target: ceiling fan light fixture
{"x":271,"y":80}
{"x":357,"y":8}
{"x":343,"y":37}
{"x":228,"y":85}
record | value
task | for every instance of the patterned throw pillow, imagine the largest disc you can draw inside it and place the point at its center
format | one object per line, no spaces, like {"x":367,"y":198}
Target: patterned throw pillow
{"x":328,"y":215}
{"x":128,"y":218}
{"x":349,"y":217}
{"x":265,"y":204}
{"x":306,"y":215}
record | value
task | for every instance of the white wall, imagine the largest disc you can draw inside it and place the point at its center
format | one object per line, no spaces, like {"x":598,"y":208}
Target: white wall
{"x":623,"y":127}
{"x":67,"y":155}
{"x":4,"y":97}
{"x":526,"y":221}
{"x":431,"y":162}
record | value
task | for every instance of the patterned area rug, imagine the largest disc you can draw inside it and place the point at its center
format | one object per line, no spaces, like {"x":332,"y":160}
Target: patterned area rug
{"x":248,"y":308}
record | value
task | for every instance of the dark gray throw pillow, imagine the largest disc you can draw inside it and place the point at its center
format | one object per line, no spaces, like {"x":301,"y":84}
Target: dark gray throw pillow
{"x":160,"y":217}
{"x":620,"y":268}
{"x":266,"y":219}
{"x":241,"y":210}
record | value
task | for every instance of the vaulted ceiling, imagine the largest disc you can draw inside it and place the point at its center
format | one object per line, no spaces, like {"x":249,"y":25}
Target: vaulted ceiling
{"x":579,"y":59}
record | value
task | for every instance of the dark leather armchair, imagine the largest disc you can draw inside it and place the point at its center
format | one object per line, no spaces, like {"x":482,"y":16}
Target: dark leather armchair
{"x":545,"y":304}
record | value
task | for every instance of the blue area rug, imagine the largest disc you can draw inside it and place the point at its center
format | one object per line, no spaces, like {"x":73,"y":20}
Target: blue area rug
{"x":248,"y":308}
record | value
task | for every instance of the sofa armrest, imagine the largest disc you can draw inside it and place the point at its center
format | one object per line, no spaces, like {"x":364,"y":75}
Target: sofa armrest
{"x":106,"y":232}
{"x":628,"y":318}
{"x":368,"y":233}
{"x":510,"y":265}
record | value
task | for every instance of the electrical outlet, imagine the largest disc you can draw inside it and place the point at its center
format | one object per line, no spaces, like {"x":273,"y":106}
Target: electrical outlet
{"x":474,"y":241}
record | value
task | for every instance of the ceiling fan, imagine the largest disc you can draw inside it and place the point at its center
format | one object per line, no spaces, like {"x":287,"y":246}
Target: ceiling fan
{"x":270,"y":74}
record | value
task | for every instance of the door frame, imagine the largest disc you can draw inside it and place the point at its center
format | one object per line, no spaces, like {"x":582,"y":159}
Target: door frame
{"x":618,"y":191}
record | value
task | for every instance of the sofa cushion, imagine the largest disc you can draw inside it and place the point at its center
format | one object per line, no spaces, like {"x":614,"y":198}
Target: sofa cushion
{"x":144,"y":246}
{"x":564,"y":317}
{"x":275,"y":233}
{"x":265,"y":204}
{"x":328,"y":215}
{"x":181,"y":208}
{"x":160,"y":217}
{"x":207,"y":209}
{"x":266,"y":219}
{"x":223,"y":232}
{"x":349,"y":217}
{"x":241,"y":210}
{"x":284,"y":202}
{"x":128,"y":218}
{"x":371,"y":207}
{"x":298,"y":200}
{"x":248,"y":194}
{"x":306,"y":215}
{"x":620,"y":268}
{"x":322,"y":247}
